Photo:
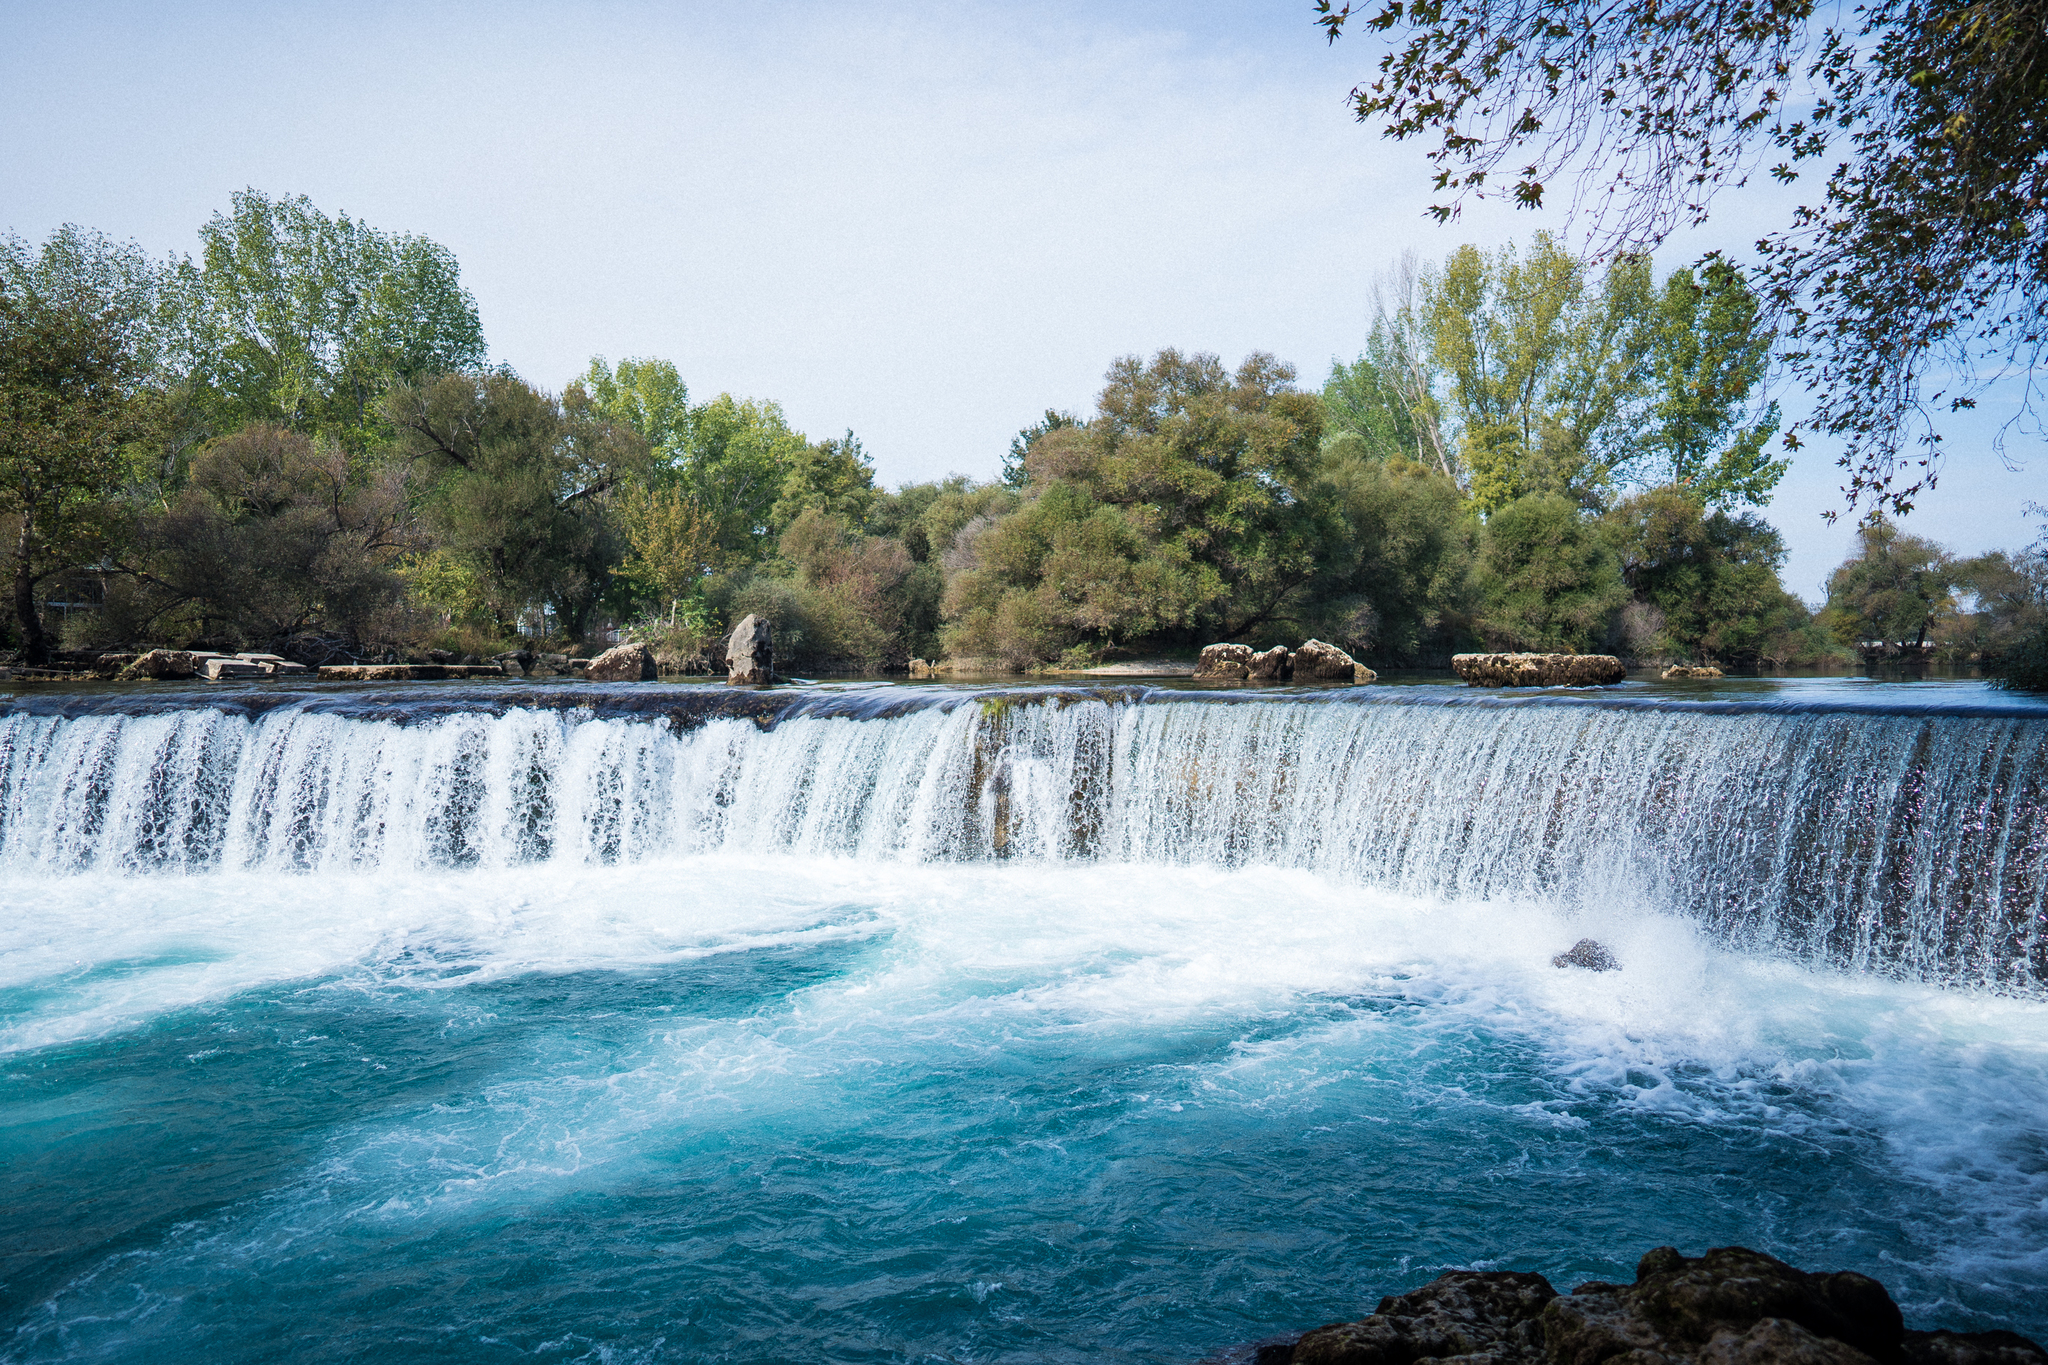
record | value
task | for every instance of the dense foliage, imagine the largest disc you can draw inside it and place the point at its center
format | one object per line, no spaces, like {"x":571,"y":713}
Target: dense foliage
{"x":297,"y":443}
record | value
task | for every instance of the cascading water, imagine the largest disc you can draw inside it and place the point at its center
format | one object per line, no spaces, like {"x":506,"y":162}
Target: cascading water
{"x":1077,"y":1025}
{"x":1901,"y":842}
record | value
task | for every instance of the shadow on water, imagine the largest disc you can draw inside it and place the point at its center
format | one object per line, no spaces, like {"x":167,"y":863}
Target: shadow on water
{"x":108,"y":1144}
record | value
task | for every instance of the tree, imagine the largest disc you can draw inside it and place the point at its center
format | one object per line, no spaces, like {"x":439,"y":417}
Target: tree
{"x":1387,"y":398}
{"x":1709,"y":355}
{"x":518,"y":485}
{"x":277,"y":533}
{"x":1893,"y":591}
{"x":1547,"y":578}
{"x":1922,"y":251}
{"x":71,"y":396}
{"x":1709,"y":580}
{"x":1015,"y":473}
{"x":307,"y":320}
{"x":1398,"y":583}
{"x":741,"y":452}
{"x":647,"y":395}
{"x":673,"y":540}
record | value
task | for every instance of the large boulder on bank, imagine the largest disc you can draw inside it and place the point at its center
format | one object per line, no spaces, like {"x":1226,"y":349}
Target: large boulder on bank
{"x":1275,"y":665}
{"x":1226,"y":663}
{"x":163,"y":663}
{"x":1318,"y":662}
{"x":622,"y":663}
{"x":750,"y":651}
{"x":1732,"y":1306}
{"x":1538,"y":670}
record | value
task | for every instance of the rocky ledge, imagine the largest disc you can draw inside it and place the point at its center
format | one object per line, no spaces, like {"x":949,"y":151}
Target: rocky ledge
{"x":1538,"y":670}
{"x":1732,"y":1306}
{"x":1314,"y":661}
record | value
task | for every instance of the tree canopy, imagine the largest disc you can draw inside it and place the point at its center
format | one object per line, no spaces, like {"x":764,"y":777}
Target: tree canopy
{"x":1913,"y":278}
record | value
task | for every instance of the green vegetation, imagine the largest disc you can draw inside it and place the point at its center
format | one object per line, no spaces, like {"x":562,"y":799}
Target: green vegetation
{"x":297,"y":443}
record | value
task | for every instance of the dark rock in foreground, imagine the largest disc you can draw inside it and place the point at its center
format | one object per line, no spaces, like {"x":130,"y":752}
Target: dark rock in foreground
{"x":1587,"y":953}
{"x":1538,"y":670}
{"x":1732,"y":1306}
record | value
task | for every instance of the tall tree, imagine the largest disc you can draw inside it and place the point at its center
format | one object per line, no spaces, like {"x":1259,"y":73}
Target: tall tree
{"x":1893,"y":590}
{"x":71,"y":397}
{"x":307,"y":320}
{"x":1916,"y":275}
{"x":649,"y":396}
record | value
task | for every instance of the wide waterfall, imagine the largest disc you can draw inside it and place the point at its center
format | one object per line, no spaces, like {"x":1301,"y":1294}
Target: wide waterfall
{"x":535,"y":1022}
{"x":1899,"y":841}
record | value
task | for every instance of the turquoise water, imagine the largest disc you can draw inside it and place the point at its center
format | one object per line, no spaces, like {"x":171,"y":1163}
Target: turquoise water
{"x":784,"y":1108}
{"x":690,"y":1025}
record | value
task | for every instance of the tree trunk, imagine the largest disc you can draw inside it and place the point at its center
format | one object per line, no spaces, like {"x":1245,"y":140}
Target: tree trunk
{"x":35,"y":647}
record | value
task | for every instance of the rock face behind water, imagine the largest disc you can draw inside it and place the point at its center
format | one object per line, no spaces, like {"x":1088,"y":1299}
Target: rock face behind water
{"x":622,"y":663}
{"x":1732,"y":1306}
{"x":1538,"y":670}
{"x":750,"y":652}
{"x":1225,"y":662}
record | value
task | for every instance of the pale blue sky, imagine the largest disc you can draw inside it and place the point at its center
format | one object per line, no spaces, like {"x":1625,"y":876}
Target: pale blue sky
{"x":924,"y":222}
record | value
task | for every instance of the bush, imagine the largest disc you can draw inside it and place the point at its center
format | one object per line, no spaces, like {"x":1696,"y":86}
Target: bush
{"x":1548,"y":580}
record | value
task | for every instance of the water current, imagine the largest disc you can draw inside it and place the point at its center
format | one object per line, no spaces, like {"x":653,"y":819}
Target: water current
{"x":680,"y":1024}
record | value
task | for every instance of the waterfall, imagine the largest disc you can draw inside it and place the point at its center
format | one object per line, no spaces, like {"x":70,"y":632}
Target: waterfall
{"x":1896,"y":841}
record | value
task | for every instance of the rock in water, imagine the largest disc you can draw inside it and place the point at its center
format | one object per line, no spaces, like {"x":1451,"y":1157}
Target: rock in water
{"x":163,"y":663}
{"x":1538,"y":670}
{"x":1275,"y":665}
{"x":750,"y":652}
{"x":1225,"y":662}
{"x":1318,"y":662}
{"x":622,"y":663}
{"x":1732,"y":1306}
{"x":1677,"y":671}
{"x":1594,"y":957}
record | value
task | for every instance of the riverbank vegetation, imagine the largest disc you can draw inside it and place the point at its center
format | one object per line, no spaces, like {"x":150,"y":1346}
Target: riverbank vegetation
{"x":296,"y":442}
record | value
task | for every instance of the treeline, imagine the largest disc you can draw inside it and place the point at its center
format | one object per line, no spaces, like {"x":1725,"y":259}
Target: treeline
{"x":296,"y":442}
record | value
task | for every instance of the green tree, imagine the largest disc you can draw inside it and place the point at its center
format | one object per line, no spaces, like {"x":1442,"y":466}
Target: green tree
{"x":834,"y":477}
{"x":520,"y":485}
{"x":1399,"y":578}
{"x":650,"y":397}
{"x":1710,"y":580}
{"x":1909,"y":282}
{"x":1547,"y":578}
{"x":1894,"y":590}
{"x":1710,"y":353}
{"x":1015,"y":473}
{"x":741,"y":453}
{"x":307,"y":320}
{"x":71,"y":398}
{"x":1546,"y":370}
{"x":274,"y":534}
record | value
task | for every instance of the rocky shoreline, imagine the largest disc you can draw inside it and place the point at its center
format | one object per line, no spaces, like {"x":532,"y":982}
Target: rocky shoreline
{"x":1731,"y":1306}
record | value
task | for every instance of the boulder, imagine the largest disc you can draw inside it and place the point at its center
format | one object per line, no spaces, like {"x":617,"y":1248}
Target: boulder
{"x":406,"y":672}
{"x":1587,"y":953}
{"x":1318,"y":662}
{"x":1275,"y":665}
{"x":750,"y":652}
{"x":1538,"y":670}
{"x":930,"y":668}
{"x":162,"y":663}
{"x":622,"y":663}
{"x":219,"y":667}
{"x":1232,"y":663}
{"x":1732,"y":1306}
{"x":1679,"y":671}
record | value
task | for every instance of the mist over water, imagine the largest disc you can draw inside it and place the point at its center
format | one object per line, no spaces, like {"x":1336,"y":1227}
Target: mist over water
{"x":1101,"y":1027}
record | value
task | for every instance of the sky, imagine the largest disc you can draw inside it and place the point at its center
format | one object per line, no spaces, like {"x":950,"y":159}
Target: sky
{"x":923,"y":223}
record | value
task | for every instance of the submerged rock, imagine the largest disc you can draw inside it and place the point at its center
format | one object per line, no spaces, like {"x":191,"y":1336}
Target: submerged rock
{"x":622,"y":663}
{"x":1589,"y":954}
{"x":750,"y":651}
{"x":1318,"y":662}
{"x":1538,"y":670}
{"x":1732,"y":1306}
{"x":1224,"y":662}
